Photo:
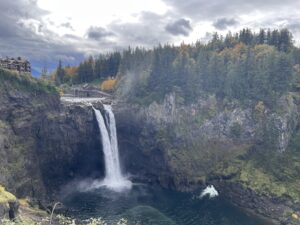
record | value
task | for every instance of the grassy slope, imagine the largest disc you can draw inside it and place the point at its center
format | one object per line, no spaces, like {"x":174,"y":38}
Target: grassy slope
{"x":25,"y":82}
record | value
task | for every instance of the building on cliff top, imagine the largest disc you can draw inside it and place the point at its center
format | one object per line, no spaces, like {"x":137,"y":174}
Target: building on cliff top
{"x":18,"y":64}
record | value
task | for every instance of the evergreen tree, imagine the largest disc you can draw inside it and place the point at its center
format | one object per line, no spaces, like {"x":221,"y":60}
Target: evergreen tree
{"x":261,"y":39}
{"x":44,"y":72}
{"x":282,"y":73}
{"x":285,"y":41}
{"x":60,"y":73}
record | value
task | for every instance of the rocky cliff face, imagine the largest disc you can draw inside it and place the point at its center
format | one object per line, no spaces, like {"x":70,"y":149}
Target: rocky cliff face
{"x":20,"y":112}
{"x":45,"y":143}
{"x":214,"y":141}
{"x":68,"y":145}
{"x":203,"y":133}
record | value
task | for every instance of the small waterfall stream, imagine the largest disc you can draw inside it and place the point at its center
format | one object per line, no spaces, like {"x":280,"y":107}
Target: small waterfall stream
{"x":113,"y":175}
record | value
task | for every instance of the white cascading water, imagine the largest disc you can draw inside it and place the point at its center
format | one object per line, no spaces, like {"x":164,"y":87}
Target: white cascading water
{"x":209,"y":191}
{"x":113,"y":176}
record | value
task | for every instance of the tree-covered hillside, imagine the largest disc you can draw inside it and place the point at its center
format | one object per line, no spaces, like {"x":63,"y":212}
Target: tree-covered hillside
{"x":244,"y":66}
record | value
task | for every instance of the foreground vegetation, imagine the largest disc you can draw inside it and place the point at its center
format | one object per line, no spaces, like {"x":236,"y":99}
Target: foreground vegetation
{"x":61,"y":220}
{"x":26,"y":83}
{"x":30,"y":214}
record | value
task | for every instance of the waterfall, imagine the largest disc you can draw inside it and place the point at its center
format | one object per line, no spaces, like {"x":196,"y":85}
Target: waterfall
{"x":113,"y":175}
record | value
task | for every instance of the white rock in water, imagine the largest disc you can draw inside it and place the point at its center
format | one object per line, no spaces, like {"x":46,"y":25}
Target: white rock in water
{"x":210,"y":191}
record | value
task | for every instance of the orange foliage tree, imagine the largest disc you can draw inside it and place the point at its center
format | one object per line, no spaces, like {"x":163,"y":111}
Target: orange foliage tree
{"x":70,"y":73}
{"x":108,"y":84}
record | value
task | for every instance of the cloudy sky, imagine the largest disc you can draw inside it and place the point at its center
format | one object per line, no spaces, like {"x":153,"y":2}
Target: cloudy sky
{"x":48,"y":30}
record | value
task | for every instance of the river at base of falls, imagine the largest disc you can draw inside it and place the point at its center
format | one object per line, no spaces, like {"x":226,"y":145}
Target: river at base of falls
{"x":152,"y":205}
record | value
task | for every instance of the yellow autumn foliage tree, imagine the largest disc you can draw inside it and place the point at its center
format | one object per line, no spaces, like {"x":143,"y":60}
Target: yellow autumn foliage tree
{"x":108,"y":84}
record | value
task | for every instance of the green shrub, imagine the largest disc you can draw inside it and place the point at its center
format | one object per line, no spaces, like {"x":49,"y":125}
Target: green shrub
{"x":25,"y":82}
{"x":236,"y":129}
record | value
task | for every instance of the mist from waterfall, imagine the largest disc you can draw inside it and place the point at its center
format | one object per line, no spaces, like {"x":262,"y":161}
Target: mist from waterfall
{"x":114,"y":179}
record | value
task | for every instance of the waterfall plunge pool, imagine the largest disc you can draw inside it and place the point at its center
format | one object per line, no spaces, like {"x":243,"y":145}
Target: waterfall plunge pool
{"x":152,"y":205}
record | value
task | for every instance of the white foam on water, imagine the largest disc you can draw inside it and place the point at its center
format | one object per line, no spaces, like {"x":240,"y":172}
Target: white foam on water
{"x":209,"y":191}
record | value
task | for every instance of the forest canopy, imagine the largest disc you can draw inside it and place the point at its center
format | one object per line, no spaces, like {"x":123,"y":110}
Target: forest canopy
{"x":244,"y":66}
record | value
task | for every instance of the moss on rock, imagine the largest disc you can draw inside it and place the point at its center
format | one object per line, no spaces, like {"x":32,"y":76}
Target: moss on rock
{"x":276,"y":177}
{"x":6,"y":196}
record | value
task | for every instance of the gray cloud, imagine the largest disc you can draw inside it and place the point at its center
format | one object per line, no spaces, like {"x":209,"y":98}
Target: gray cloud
{"x":224,"y":23}
{"x":21,"y":9}
{"x":23,"y":33}
{"x":210,"y":10}
{"x":67,"y":25}
{"x":97,"y":33}
{"x":27,"y":35}
{"x":72,"y":36}
{"x":148,"y":31}
{"x":12,"y":12}
{"x":292,"y":23}
{"x":179,"y":27}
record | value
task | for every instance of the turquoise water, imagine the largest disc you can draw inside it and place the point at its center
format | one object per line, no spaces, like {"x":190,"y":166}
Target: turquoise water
{"x":148,"y":205}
